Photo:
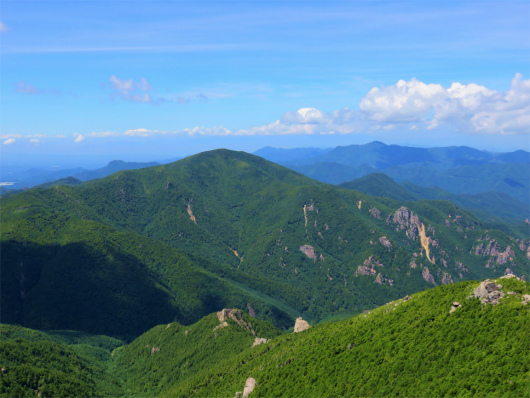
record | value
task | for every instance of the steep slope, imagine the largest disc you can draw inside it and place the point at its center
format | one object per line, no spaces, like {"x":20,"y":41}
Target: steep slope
{"x":490,"y":206}
{"x":172,"y":353}
{"x":441,"y":342}
{"x":290,"y":245}
{"x":61,"y":272}
{"x":466,"y":339}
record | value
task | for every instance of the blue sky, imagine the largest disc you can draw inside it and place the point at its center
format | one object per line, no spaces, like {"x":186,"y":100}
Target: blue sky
{"x":90,"y":81}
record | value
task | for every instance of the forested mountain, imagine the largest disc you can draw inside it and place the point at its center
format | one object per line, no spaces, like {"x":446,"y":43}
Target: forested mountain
{"x":460,"y":170}
{"x":228,"y":229}
{"x":490,"y":206}
{"x":466,"y":339}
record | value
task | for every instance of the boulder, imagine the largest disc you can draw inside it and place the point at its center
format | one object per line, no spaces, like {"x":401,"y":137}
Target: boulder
{"x":300,"y":325}
{"x":488,"y":292}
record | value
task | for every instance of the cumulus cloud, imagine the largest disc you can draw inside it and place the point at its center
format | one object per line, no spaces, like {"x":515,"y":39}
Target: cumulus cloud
{"x":35,"y":141}
{"x":402,"y":102}
{"x":9,"y":141}
{"x":470,"y":108}
{"x":79,"y":137}
{"x":3,"y":27}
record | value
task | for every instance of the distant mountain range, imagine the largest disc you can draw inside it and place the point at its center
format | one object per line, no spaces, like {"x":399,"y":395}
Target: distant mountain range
{"x":34,"y":177}
{"x":460,"y":170}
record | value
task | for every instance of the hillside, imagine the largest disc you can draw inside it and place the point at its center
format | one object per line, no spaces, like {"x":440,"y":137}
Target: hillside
{"x":464,"y":339}
{"x":489,"y":206}
{"x":228,"y":229}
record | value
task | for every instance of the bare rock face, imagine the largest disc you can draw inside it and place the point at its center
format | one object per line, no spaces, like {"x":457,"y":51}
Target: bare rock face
{"x":380,"y":279}
{"x":526,"y":299}
{"x":428,"y":276}
{"x":447,"y":279}
{"x":385,"y":242}
{"x":309,"y":251}
{"x":235,"y":315}
{"x":300,"y":325}
{"x":493,"y":249}
{"x":259,"y":340}
{"x":368,"y":268}
{"x":375,"y":213}
{"x":407,"y":220}
{"x":489,"y":292}
{"x":249,"y":387}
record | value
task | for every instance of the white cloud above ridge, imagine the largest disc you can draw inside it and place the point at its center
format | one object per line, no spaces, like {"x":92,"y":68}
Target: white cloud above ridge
{"x":9,"y":141}
{"x":405,"y":106}
{"x":469,"y":108}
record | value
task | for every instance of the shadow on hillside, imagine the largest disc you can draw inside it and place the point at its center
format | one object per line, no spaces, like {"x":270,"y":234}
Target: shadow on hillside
{"x":77,"y":287}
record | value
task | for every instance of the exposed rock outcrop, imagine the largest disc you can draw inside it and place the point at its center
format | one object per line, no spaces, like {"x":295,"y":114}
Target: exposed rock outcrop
{"x":380,"y":279}
{"x":259,"y":340}
{"x":493,"y":249}
{"x":300,"y":325}
{"x":368,"y":268}
{"x":428,"y":276}
{"x":385,"y":242}
{"x":414,"y":229}
{"x":455,"y":305}
{"x":190,"y":213}
{"x":405,"y":220}
{"x":489,"y":292}
{"x":447,"y":279}
{"x":235,"y":315}
{"x":375,"y":212}
{"x":309,"y":251}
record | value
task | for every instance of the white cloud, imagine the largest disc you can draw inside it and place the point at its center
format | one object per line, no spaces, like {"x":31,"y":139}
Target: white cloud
{"x":130,"y":90}
{"x":402,"y":102}
{"x":9,"y":141}
{"x":3,"y":27}
{"x":140,"y":132}
{"x":469,"y":108}
{"x":35,"y":141}
{"x":79,"y":137}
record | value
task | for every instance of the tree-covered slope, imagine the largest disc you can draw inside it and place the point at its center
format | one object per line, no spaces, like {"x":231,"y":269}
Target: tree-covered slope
{"x":56,"y":364}
{"x":252,"y":233}
{"x":172,"y":353}
{"x":440,"y":342}
{"x":466,"y":339}
{"x":489,"y":206}
{"x":62,"y":272}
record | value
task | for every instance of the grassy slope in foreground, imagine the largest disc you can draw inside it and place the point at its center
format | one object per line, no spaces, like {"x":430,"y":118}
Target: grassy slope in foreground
{"x":413,"y":348}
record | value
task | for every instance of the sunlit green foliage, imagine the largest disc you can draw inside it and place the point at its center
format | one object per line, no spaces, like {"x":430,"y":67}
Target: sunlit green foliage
{"x":413,"y":348}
